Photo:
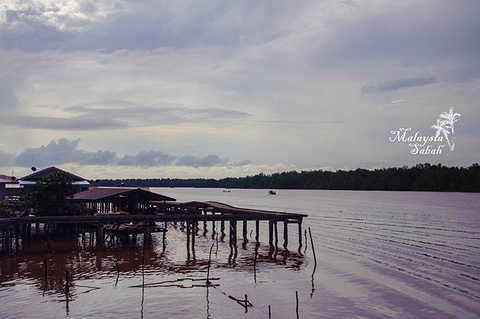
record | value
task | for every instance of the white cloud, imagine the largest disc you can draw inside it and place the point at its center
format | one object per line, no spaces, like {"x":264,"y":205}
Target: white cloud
{"x":63,"y":15}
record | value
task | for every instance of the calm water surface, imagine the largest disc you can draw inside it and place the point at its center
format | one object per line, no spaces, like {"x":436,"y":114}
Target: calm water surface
{"x":378,"y":255}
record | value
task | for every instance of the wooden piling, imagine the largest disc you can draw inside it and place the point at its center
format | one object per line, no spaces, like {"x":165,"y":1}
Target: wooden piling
{"x":245,"y":230}
{"x":205,"y":230}
{"x":194,"y":231}
{"x":45,"y":268}
{"x":188,"y":236}
{"x":299,"y":235}
{"x":270,"y":232}
{"x":147,"y":235}
{"x":276,"y":233}
{"x":313,"y":249}
{"x":67,"y":283}
{"x":296,"y":303}
{"x":164,"y":235}
{"x":233,"y":233}
{"x":222,"y":226}
{"x":100,"y":235}
{"x":214,"y":231}
{"x":246,"y":303}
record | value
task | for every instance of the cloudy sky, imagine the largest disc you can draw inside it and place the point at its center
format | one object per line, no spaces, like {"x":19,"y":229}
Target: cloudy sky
{"x":206,"y":88}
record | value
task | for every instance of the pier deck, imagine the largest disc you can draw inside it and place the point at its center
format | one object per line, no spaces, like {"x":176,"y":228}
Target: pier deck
{"x":190,"y":213}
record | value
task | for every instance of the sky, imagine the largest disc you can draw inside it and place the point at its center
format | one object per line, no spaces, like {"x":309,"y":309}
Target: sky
{"x":214,"y":89}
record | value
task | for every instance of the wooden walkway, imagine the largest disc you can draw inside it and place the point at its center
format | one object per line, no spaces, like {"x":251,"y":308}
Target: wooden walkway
{"x":19,"y":229}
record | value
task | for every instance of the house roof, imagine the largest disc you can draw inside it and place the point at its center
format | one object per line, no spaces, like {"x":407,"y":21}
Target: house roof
{"x":4,"y":179}
{"x":36,"y":176}
{"x":119,"y":193}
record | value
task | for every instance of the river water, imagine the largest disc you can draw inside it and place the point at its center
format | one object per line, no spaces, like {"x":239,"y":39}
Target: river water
{"x":378,"y":255}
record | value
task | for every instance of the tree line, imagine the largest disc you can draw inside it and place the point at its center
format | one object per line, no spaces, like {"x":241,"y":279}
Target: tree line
{"x":421,"y":177}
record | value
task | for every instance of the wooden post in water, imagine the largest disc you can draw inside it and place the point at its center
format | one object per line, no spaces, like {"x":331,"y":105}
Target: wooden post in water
{"x":296,"y":302}
{"x":299,"y":235}
{"x":188,"y":236}
{"x":270,"y":232}
{"x":67,"y":291}
{"x":67,"y":283}
{"x":276,"y":233}
{"x":222,"y":226}
{"x":244,"y":234}
{"x":48,"y":235}
{"x":147,"y":235}
{"x":45,"y":268}
{"x":100,"y":235}
{"x":164,"y":235}
{"x":313,"y":250}
{"x":257,"y":230}
{"x":285,"y":234}
{"x":233,"y":233}
{"x":194,"y":232}
{"x":245,"y":230}
{"x":213,"y":229}
{"x":205,"y":230}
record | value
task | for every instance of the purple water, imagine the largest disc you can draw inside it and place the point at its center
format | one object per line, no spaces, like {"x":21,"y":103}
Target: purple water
{"x":379,"y":255}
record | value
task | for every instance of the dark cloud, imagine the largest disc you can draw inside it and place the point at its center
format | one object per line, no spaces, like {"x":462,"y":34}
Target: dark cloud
{"x":206,"y":161}
{"x":397,"y":85}
{"x":139,"y":115}
{"x":63,"y":151}
{"x":149,"y":159}
{"x":102,"y":118}
{"x":61,"y":123}
{"x":97,"y":158}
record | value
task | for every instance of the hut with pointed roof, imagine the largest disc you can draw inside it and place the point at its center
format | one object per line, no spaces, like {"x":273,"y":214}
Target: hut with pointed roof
{"x":30,"y":181}
{"x":120,"y":200}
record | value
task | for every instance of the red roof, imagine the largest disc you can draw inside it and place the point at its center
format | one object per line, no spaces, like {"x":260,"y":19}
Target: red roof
{"x":111,"y":193}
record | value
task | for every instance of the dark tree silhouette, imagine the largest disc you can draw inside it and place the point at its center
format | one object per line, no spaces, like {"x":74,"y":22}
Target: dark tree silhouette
{"x":421,"y":177}
{"x":51,"y":194}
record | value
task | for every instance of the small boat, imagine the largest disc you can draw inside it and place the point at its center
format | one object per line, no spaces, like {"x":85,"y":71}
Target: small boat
{"x":270,"y":192}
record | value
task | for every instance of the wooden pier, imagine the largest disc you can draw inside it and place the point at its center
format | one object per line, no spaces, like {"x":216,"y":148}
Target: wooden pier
{"x":16,"y":232}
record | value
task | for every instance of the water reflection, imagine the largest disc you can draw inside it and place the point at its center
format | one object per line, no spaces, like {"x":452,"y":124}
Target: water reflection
{"x":71,"y":270}
{"x":47,"y":268}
